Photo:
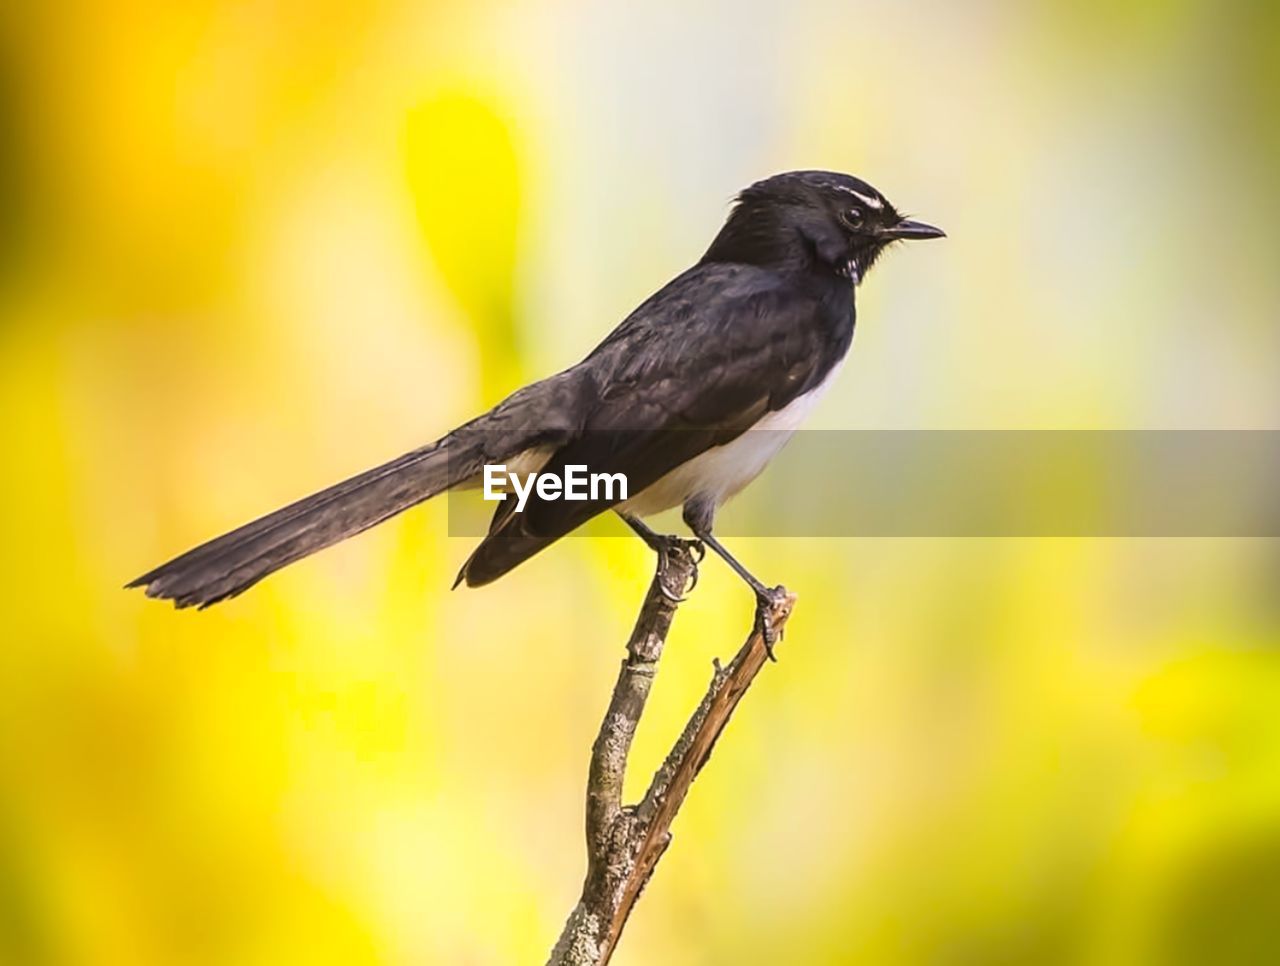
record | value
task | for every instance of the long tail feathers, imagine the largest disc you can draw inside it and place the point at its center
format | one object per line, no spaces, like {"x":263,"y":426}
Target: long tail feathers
{"x":543,"y":413}
{"x":234,"y":562}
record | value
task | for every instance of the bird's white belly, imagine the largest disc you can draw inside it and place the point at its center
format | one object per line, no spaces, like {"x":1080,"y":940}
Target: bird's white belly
{"x":722,"y":471}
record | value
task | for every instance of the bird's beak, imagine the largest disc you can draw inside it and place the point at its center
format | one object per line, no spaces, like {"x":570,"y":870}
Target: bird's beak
{"x":912,"y":230}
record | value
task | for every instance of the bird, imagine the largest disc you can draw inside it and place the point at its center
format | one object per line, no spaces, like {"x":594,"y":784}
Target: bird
{"x":689,"y":397}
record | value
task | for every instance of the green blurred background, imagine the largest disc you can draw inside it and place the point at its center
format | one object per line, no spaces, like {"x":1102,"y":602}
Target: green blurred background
{"x":247,"y":248}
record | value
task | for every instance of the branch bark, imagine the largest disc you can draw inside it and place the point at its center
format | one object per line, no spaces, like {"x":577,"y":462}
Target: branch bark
{"x":625,"y":842}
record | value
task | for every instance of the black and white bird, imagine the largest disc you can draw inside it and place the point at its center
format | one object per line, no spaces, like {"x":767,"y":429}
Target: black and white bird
{"x":690,"y":397}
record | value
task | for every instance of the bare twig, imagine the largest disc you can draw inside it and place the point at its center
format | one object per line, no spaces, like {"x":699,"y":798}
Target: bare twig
{"x":624,"y":843}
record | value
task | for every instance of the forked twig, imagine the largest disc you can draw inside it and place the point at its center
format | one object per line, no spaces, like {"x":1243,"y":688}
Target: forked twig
{"x":625,"y":842}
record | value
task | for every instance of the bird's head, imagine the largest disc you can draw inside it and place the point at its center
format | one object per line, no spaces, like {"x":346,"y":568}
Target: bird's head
{"x":815,"y":219}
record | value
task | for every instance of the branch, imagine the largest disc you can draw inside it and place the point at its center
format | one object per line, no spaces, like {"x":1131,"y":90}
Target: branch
{"x":624,"y":843}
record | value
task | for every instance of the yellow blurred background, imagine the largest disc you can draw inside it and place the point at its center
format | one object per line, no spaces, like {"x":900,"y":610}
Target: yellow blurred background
{"x":248,"y":248}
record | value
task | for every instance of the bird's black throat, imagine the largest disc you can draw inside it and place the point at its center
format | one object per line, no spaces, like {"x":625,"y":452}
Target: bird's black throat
{"x":792,"y":238}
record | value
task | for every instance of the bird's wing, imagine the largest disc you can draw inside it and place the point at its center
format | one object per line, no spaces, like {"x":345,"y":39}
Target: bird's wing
{"x":694,"y":367}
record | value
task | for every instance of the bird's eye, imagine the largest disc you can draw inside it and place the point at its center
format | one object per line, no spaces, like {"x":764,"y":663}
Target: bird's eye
{"x":853,"y":218}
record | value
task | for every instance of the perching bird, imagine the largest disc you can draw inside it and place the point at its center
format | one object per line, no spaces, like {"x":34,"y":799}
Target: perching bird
{"x":690,"y":397}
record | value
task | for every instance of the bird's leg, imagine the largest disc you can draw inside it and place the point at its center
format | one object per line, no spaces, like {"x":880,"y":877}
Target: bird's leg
{"x":663,"y":544}
{"x":767,"y":598}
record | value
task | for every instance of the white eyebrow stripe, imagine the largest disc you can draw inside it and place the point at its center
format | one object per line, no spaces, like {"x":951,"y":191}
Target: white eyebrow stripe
{"x":869,"y":200}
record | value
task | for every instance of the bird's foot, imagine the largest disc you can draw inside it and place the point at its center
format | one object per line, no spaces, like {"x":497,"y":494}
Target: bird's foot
{"x":667,"y":546}
{"x":768,"y":602}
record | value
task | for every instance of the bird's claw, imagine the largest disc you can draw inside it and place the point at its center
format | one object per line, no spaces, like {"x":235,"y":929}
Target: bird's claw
{"x":766,"y":601}
{"x":671,"y":595}
{"x":696,"y":552}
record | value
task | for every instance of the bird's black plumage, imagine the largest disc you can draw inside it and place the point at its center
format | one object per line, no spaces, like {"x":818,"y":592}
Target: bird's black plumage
{"x":762,"y":320}
{"x":694,"y":367}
